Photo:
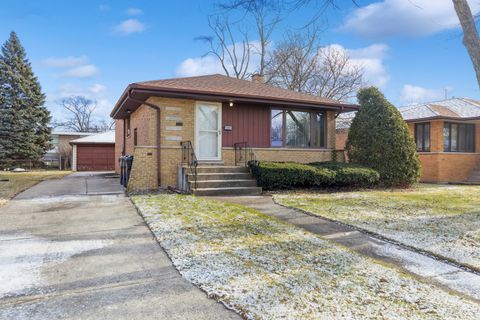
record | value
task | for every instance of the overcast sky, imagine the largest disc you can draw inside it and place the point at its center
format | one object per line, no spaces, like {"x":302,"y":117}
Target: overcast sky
{"x":411,"y":49}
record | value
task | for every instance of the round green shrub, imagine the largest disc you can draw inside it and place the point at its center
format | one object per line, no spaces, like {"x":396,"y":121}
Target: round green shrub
{"x":379,"y":138}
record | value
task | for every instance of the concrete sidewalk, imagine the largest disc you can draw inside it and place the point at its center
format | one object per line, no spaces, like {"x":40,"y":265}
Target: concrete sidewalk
{"x":76,"y":248}
{"x":427,"y":268}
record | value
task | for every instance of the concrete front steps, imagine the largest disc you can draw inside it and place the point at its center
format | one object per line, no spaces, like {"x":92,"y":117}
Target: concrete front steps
{"x":217,"y":180}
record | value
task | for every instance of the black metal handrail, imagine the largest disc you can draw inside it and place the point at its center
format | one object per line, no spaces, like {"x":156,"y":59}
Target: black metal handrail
{"x":243,"y":153}
{"x":190,"y":159}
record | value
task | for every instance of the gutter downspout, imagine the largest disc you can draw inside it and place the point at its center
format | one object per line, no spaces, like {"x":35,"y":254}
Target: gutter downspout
{"x":157,"y":109}
{"x":124,"y":147}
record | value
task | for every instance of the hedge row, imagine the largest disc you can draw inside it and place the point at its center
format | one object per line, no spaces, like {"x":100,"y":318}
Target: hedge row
{"x":288,"y":175}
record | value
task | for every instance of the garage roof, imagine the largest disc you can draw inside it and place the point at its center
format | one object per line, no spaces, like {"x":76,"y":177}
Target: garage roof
{"x":107,"y":137}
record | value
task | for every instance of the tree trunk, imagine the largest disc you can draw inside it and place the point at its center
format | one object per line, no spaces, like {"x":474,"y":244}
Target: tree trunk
{"x":470,"y":33}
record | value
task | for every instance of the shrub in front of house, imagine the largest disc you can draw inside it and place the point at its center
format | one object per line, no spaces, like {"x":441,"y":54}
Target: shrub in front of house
{"x":350,"y":175}
{"x":379,"y":138}
{"x":289,"y":175}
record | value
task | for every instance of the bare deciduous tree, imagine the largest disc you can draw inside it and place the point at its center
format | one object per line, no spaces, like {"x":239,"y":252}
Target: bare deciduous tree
{"x":294,"y":62}
{"x":234,"y":55}
{"x":267,"y":14}
{"x":300,"y":64}
{"x":471,"y":39}
{"x":337,"y":77}
{"x":230,"y":42}
{"x":80,"y":115}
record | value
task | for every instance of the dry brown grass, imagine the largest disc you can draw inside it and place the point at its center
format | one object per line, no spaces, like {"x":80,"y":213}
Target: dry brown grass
{"x":19,"y":181}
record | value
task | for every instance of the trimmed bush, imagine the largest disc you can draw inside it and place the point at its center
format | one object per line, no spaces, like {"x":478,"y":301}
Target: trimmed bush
{"x":379,"y":138}
{"x":350,"y":175}
{"x":288,"y":175}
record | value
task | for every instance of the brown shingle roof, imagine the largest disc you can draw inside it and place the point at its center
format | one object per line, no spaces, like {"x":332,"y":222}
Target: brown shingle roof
{"x":222,"y":86}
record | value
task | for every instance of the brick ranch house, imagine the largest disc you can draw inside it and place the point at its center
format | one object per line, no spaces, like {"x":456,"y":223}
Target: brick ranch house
{"x":447,"y":138}
{"x":157,"y":120}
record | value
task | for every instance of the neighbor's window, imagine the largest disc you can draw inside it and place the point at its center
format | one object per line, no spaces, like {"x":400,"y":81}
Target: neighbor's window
{"x":297,"y":129}
{"x":135,"y":136}
{"x":459,"y":137}
{"x":422,"y":136}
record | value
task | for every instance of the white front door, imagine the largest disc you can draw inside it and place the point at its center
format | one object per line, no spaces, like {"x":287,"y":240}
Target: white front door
{"x":208,"y":133}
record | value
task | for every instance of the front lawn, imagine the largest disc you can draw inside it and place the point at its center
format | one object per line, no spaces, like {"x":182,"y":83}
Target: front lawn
{"x":266,"y":269}
{"x":444,"y":220}
{"x":19,"y":181}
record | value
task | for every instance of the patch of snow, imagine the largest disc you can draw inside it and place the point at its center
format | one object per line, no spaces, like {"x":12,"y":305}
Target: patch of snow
{"x":23,"y":256}
{"x":424,"y":266}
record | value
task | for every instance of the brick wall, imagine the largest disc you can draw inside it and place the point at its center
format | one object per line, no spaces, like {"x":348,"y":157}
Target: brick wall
{"x":177,"y":124}
{"x":440,"y":166}
{"x":341,"y":139}
{"x":118,"y":143}
{"x":144,"y":170}
{"x":286,"y":155}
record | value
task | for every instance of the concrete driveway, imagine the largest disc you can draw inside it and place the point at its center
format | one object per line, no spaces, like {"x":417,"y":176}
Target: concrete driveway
{"x":76,"y":248}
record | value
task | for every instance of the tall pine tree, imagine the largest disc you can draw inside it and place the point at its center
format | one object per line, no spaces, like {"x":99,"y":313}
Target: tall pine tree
{"x":24,"y":131}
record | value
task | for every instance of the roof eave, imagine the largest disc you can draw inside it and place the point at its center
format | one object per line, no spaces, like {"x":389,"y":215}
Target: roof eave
{"x":159,"y":91}
{"x":443,"y":118}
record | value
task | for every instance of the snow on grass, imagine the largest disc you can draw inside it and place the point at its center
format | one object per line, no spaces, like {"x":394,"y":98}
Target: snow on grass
{"x":444,"y":220}
{"x":266,"y":269}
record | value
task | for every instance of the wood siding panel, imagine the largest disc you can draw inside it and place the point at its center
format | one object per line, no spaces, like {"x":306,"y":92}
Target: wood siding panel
{"x":250,"y":123}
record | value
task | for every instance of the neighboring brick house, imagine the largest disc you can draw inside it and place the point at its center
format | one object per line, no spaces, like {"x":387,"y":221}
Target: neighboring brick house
{"x":60,"y":155}
{"x":214,"y":113}
{"x":447,"y":138}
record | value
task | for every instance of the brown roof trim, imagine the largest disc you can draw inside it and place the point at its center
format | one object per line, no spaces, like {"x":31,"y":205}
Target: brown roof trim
{"x":200,"y":94}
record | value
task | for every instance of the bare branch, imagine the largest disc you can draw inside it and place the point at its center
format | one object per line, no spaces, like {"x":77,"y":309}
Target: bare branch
{"x":299,"y":64}
{"x":80,"y":114}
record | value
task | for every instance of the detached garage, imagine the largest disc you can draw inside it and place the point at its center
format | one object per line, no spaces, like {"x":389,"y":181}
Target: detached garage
{"x":94,"y":153}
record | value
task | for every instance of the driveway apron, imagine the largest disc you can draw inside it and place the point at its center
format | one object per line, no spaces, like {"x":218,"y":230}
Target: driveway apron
{"x":75,"y":248}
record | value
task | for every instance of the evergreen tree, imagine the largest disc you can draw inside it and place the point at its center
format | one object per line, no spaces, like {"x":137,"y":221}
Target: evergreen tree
{"x":24,"y":131}
{"x":379,"y":138}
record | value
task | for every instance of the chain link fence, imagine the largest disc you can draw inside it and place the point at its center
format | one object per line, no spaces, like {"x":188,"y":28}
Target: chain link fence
{"x":27,"y":164}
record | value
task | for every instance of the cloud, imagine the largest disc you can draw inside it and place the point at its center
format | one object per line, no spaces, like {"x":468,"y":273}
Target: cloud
{"x":410,"y":18}
{"x":129,"y":26}
{"x":66,"y":62}
{"x":77,"y":67}
{"x":98,"y":88}
{"x":370,"y":59}
{"x":411,"y":94}
{"x":96,"y":92}
{"x":209,"y":64}
{"x":86,"y":71}
{"x":199,"y":66}
{"x":134,"y":11}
